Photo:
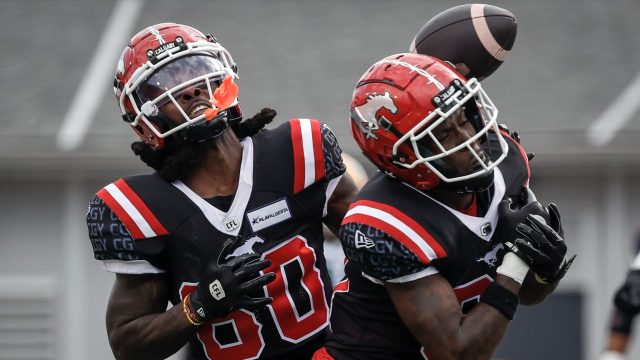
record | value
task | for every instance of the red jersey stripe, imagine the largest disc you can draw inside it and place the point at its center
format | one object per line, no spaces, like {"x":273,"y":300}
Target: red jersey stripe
{"x":408,"y":221}
{"x":153,"y":222}
{"x":317,"y":149}
{"x":298,"y":156}
{"x":128,"y":222}
{"x":392,"y":231}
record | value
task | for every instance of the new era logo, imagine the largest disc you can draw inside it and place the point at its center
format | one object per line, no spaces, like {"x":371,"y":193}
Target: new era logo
{"x":362,"y":241}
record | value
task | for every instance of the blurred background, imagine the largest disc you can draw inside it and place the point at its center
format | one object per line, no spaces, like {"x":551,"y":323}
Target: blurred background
{"x":571,"y":88}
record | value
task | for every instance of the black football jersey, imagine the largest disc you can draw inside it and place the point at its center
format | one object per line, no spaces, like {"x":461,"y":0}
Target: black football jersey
{"x":142,"y":224}
{"x":396,"y":233}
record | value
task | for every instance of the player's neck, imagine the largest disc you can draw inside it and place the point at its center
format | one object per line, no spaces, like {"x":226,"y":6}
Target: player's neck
{"x":219,"y":174}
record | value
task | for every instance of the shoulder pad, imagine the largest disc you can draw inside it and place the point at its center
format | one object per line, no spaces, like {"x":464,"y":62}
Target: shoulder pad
{"x":131,"y":210}
{"x":399,"y":226}
{"x":308,"y":158}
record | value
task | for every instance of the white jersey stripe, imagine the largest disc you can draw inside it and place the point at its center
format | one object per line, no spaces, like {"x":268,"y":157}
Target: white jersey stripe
{"x":131,"y":210}
{"x":307,"y":149}
{"x":398,"y":224}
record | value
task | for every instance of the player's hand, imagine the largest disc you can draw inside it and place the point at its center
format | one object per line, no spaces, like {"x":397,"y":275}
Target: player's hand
{"x":225,"y":284}
{"x":513,"y":211}
{"x":542,"y":248}
{"x":627,"y":298}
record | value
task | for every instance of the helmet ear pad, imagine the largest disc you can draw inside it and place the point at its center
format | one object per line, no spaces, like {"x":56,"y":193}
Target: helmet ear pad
{"x":161,"y":123}
{"x":148,"y":136}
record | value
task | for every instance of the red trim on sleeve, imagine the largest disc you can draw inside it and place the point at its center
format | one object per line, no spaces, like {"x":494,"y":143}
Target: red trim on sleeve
{"x":153,"y":222}
{"x":128,"y":222}
{"x":298,"y":156}
{"x":318,"y":154}
{"x":407,"y":221}
{"x":392,"y":231}
{"x":522,"y":152}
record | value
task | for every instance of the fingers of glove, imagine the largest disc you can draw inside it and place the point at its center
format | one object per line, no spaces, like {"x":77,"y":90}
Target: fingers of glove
{"x":516,"y":250}
{"x":257,"y":283}
{"x":541,"y":225}
{"x":229,"y":245}
{"x":240,"y":261}
{"x":533,"y":235}
{"x":527,"y":196}
{"x":505,"y":206}
{"x":554,"y":215}
{"x":251,"y":269}
{"x":253,"y":303}
{"x":537,"y":256}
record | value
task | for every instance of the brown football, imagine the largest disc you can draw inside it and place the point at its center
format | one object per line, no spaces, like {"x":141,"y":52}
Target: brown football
{"x":476,"y":38}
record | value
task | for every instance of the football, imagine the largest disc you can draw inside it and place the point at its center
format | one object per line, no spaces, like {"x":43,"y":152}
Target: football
{"x":476,"y":38}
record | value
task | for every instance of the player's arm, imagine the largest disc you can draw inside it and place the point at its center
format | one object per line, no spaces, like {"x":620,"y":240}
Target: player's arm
{"x":626,"y":308}
{"x":339,"y":202}
{"x":339,"y":196}
{"x":138,"y":326}
{"x":430,"y":310}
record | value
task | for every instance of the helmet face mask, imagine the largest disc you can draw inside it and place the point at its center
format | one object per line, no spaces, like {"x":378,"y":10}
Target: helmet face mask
{"x":424,"y":95}
{"x":161,"y":63}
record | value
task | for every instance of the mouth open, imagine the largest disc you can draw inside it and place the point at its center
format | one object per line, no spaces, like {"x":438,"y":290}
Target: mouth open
{"x":199,"y":110}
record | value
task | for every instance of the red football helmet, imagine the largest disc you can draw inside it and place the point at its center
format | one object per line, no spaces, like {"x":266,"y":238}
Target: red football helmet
{"x":161,"y":63}
{"x":402,"y":99}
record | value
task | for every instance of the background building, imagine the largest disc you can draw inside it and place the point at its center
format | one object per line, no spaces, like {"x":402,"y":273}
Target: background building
{"x":571,"y":87}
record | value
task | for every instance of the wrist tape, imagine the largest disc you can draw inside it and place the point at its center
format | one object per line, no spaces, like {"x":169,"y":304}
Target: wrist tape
{"x":500,"y":298}
{"x":513,"y":267}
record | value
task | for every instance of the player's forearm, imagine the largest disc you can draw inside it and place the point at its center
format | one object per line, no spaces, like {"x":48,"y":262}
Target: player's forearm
{"x":153,"y":336}
{"x":482,"y":329}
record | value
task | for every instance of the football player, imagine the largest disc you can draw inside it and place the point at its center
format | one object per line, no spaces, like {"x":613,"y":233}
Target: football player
{"x":626,"y":303}
{"x":440,"y":241}
{"x":229,"y":226}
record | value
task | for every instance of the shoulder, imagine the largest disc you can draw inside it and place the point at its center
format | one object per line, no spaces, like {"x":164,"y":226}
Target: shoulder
{"x":391,"y":220}
{"x":515,"y":167}
{"x":310,"y":148}
{"x":130,"y":205}
{"x":115,"y":246}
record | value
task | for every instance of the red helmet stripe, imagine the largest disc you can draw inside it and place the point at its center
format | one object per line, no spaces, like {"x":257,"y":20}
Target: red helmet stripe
{"x":131,"y":210}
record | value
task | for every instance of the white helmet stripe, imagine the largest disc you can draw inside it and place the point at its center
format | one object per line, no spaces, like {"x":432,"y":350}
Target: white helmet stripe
{"x":432,"y":78}
{"x":157,"y":34}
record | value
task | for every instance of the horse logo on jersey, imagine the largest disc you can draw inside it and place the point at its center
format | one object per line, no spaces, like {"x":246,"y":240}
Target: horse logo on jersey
{"x":246,"y":248}
{"x":491,"y":258}
{"x":365,"y":115}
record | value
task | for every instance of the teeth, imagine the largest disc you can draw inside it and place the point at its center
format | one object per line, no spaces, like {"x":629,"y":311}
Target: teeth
{"x":198,"y":108}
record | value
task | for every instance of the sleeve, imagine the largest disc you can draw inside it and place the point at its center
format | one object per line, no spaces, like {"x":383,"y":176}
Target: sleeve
{"x":380,"y":257}
{"x":114,"y":246}
{"x":388,"y":245}
{"x":333,"y":165}
{"x":316,"y":155}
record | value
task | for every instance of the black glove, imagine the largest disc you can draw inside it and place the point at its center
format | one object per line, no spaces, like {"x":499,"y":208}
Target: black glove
{"x":541,"y":247}
{"x":513,"y":211}
{"x":224,"y":284}
{"x":627,"y":298}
